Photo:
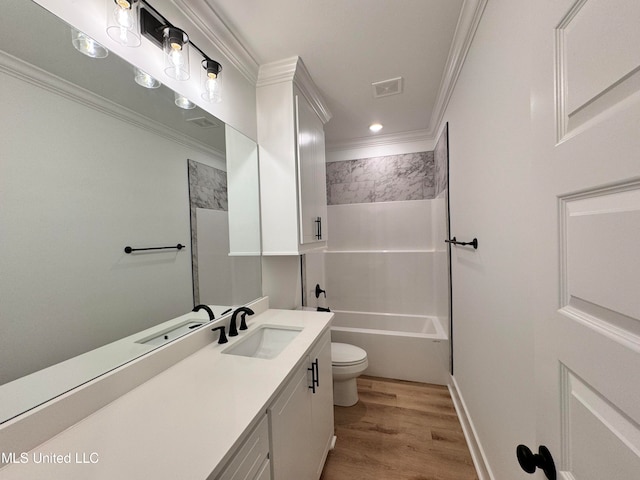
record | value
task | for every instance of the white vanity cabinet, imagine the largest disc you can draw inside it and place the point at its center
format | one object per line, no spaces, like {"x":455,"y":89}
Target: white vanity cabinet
{"x":293,"y":196}
{"x":251,"y":461}
{"x":301,"y":418}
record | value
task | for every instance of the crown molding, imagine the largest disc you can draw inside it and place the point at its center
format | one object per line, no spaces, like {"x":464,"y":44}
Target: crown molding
{"x":293,"y":69}
{"x":277,"y":72}
{"x":415,"y":136}
{"x":29,"y":73}
{"x":205,"y":18}
{"x":468,"y":21}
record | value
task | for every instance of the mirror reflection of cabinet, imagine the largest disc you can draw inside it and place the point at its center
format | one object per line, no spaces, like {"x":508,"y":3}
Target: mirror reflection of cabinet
{"x":291,"y":115}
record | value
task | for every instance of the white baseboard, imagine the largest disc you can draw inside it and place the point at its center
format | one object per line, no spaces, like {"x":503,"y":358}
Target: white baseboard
{"x":475,"y":447}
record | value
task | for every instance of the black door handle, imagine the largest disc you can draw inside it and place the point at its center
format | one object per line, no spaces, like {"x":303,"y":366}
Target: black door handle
{"x":529,"y":461}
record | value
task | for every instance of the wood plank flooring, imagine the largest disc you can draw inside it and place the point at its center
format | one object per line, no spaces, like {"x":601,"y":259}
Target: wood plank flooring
{"x":399,"y":431}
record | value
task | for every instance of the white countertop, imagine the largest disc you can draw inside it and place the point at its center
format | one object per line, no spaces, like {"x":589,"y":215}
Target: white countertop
{"x":182,"y":424}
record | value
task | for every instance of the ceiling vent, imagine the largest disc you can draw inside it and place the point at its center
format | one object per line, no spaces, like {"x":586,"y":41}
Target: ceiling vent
{"x":203,"y":122}
{"x":385,"y":88}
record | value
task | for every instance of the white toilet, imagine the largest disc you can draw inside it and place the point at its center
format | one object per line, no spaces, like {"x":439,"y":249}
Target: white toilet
{"x":348,"y":362}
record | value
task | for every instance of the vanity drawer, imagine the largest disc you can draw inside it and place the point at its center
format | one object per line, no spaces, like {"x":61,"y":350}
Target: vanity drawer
{"x":251,"y":461}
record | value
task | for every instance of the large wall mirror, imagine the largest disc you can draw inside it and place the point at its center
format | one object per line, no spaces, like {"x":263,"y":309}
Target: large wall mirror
{"x":92,"y":162}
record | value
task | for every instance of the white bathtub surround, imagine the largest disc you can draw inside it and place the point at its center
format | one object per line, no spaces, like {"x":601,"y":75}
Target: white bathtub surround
{"x":385,"y":275}
{"x":404,"y":347}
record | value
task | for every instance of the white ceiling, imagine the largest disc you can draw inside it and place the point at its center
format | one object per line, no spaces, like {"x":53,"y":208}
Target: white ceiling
{"x":348,"y":44}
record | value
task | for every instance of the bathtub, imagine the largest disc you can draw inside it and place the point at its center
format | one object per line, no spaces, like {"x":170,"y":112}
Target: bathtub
{"x":403,"y":347}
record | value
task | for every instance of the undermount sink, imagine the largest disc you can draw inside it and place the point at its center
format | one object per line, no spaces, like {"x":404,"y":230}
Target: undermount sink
{"x":266,"y":341}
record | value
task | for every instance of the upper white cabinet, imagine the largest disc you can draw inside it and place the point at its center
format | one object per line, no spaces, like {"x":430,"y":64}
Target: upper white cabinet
{"x":293,"y":196}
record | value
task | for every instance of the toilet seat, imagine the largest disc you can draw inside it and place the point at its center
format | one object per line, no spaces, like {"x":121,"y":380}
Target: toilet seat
{"x":344,"y":355}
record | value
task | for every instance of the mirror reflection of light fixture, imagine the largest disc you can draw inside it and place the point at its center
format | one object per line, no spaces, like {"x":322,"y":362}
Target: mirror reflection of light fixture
{"x":175,"y":44}
{"x":211,"y":87}
{"x":87,"y":45}
{"x":122,"y":22}
{"x":145,"y":80}
{"x":183,"y":102}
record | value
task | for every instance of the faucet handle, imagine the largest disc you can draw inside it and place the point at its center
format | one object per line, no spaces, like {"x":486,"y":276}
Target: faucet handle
{"x":223,"y":337}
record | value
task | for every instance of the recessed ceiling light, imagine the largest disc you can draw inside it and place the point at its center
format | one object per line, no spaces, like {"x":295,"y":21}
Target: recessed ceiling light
{"x":375,"y":127}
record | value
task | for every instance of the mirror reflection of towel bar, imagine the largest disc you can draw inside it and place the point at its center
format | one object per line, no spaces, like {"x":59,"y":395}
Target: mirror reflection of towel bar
{"x":473,"y":243}
{"x":129,"y":249}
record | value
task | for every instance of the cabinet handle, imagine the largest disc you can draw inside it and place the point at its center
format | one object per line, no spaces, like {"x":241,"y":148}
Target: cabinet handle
{"x":318,"y":221}
{"x":317,"y":380}
{"x":314,"y":376}
{"x":313,"y":379}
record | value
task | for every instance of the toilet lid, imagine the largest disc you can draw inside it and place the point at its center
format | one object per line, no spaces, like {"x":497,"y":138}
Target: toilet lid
{"x":345,"y":354}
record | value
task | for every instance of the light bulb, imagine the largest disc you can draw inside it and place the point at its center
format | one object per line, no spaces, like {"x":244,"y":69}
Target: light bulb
{"x":212,"y":89}
{"x":175,"y":45}
{"x":211,"y":86}
{"x":123,"y":24}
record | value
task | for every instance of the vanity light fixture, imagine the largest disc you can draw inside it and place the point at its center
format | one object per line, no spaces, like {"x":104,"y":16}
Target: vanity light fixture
{"x":183,"y":102}
{"x":145,"y":80}
{"x":375,"y":127}
{"x":175,"y":45}
{"x":122,"y":21}
{"x":87,"y":45}
{"x":211,"y":87}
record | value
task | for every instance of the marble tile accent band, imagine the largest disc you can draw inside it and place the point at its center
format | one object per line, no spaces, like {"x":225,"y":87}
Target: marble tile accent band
{"x":381,"y":179}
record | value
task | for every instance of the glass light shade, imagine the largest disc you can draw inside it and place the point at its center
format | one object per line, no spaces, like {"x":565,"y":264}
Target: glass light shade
{"x":145,"y":80}
{"x":375,"y":127}
{"x":175,"y":44}
{"x":183,"y":102}
{"x":211,"y":82}
{"x":87,"y":45}
{"x":122,"y":21}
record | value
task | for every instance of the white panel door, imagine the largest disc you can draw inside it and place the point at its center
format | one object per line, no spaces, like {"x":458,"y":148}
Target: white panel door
{"x":585,"y":103}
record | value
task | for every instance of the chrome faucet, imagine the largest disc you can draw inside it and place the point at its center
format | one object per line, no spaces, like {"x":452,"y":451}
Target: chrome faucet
{"x":208,"y":310}
{"x":233,"y":331}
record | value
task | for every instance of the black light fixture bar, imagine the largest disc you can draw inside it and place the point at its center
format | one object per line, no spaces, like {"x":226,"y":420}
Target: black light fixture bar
{"x":152,"y":24}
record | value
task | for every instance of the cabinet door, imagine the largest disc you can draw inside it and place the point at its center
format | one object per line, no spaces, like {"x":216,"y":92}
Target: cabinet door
{"x":312,"y":199}
{"x":322,"y":404}
{"x":249,"y":460}
{"x":290,"y":417}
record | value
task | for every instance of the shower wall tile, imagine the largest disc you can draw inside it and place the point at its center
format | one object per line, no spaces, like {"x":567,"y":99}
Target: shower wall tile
{"x":441,"y":156}
{"x":381,"y":226}
{"x":381,"y":179}
{"x":207,"y":186}
{"x":355,"y":192}
{"x":393,"y":282}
